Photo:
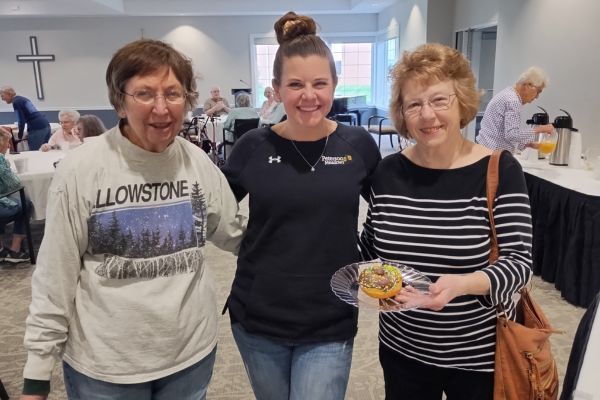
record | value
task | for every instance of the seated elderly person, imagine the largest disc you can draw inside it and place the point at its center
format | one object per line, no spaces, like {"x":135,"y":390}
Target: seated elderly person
{"x":8,"y":132}
{"x":64,"y":137}
{"x":269,"y":106}
{"x":276,"y":115}
{"x":88,"y":126}
{"x":10,"y":207}
{"x":242,"y":110}
{"x":216,"y":105}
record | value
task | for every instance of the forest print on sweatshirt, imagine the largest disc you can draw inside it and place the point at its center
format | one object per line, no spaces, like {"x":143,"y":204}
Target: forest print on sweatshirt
{"x":147,"y":231}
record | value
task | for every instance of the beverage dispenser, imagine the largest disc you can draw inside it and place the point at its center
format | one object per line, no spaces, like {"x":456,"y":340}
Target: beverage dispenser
{"x":563,"y":124}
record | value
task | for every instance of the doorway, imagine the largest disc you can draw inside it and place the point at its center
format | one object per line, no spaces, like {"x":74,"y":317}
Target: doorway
{"x":479,"y":47}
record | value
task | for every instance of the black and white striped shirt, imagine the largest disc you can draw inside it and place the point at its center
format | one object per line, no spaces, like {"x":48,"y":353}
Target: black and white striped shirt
{"x":436,"y":221}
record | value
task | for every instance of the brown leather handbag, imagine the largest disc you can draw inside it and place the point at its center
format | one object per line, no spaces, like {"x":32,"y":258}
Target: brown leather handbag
{"x":524,"y":367}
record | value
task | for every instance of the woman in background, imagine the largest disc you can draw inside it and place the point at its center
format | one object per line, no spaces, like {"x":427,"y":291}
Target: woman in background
{"x":64,"y":138}
{"x":87,"y":126}
{"x":304,"y":177}
{"x":268,"y":107}
{"x":11,"y":207}
{"x":428,"y":210}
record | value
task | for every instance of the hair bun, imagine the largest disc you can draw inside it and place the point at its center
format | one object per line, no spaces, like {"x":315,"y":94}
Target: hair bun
{"x":292,"y":25}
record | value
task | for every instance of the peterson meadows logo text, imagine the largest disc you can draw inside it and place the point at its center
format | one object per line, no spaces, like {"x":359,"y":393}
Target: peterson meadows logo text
{"x":339,"y":160}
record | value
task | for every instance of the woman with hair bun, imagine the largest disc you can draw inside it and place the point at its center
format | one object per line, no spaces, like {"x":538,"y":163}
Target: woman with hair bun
{"x":304,"y":177}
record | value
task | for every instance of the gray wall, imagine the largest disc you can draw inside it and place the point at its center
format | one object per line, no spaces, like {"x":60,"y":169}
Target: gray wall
{"x":218,"y":46}
{"x":556,"y":35}
{"x":440,"y":22}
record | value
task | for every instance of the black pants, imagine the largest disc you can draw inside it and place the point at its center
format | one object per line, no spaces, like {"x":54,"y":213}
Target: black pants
{"x":407,"y":379}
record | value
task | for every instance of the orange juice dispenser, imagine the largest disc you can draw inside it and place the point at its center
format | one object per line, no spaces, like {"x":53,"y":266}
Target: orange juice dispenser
{"x":563,"y":125}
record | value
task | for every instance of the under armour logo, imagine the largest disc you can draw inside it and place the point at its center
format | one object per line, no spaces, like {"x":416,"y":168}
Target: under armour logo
{"x":276,"y":159}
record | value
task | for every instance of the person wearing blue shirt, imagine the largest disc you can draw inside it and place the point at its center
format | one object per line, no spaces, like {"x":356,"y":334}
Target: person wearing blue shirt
{"x":38,"y":127}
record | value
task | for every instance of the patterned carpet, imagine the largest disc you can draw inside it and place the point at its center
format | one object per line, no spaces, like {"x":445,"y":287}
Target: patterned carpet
{"x":229,"y":379}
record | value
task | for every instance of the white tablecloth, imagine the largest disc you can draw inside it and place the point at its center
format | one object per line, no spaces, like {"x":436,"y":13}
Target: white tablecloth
{"x":38,"y":176}
{"x":579,"y":180}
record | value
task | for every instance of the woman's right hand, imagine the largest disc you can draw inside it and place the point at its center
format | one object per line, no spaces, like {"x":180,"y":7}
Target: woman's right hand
{"x":45,"y":147}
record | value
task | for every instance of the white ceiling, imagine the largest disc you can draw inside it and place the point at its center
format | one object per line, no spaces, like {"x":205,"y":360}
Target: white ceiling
{"x":78,"y":8}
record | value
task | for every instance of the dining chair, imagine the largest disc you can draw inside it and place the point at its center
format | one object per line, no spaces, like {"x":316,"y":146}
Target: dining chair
{"x":25,"y":215}
{"x":345,"y":118}
{"x":376,"y":125}
{"x":240,"y":126}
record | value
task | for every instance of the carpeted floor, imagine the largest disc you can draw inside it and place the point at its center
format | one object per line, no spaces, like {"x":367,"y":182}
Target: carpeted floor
{"x":229,"y":380}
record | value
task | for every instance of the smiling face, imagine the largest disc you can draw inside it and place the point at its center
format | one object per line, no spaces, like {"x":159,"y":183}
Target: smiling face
{"x":433,"y":129}
{"x":306,"y":90}
{"x":152,"y":127}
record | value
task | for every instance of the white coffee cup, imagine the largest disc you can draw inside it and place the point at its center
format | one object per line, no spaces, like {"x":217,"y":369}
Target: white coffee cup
{"x":21,"y":165}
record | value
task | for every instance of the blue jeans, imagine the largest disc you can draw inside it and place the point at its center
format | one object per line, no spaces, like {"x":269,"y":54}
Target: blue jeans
{"x":36,"y":138}
{"x":9,"y":212}
{"x":295,"y":371}
{"x":188,"y":384}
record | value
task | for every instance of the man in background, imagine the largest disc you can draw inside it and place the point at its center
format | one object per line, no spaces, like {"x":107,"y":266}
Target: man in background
{"x":216,"y":105}
{"x":38,"y":127}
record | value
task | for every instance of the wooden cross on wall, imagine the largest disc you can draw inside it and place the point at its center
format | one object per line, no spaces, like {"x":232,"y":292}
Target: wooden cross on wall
{"x":35,"y":58}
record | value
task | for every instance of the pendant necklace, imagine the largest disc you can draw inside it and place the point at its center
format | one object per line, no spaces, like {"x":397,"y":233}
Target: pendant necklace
{"x":312,"y":166}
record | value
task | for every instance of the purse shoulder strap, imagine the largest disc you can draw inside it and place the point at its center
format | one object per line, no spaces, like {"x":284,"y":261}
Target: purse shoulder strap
{"x":491,"y":187}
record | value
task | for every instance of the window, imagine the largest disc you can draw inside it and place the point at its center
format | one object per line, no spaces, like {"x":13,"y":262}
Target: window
{"x":263,"y":72}
{"x":386,"y":56}
{"x":391,"y":56}
{"x":354,"y":66}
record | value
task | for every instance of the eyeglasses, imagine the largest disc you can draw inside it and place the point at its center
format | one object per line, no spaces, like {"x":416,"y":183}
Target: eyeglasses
{"x":438,"y":102}
{"x":65,"y":122}
{"x":147,"y":97}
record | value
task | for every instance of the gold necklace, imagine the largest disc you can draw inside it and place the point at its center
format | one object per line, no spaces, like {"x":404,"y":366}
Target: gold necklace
{"x":312,"y":166}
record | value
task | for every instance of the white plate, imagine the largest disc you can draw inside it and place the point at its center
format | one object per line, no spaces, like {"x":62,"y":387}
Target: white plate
{"x":344,"y":284}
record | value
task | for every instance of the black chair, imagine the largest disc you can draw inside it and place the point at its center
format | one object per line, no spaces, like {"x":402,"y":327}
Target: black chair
{"x":25,"y":215}
{"x":578,"y":350}
{"x":3,"y":394}
{"x":375,"y":125}
{"x":348,"y":118}
{"x":240,"y":126}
